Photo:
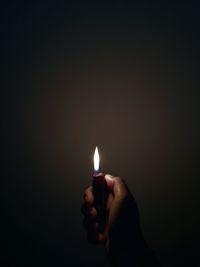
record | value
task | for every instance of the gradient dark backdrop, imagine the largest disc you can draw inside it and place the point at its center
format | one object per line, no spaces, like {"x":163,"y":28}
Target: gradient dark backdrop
{"x":123,"y":77}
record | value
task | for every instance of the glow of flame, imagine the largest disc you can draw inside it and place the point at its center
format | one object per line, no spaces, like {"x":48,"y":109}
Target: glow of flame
{"x":96,"y":159}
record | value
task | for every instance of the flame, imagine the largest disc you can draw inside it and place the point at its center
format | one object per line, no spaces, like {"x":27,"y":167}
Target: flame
{"x":96,"y":159}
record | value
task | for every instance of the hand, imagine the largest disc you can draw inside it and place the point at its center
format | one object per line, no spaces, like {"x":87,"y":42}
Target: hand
{"x":122,"y":236}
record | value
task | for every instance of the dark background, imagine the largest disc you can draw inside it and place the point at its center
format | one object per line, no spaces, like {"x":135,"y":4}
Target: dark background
{"x":120,"y":76}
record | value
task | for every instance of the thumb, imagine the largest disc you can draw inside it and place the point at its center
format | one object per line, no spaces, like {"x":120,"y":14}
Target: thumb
{"x":117,"y":186}
{"x":120,"y":191}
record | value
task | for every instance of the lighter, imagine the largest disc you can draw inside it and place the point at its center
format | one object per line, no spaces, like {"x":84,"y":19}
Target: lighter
{"x":100,"y":192}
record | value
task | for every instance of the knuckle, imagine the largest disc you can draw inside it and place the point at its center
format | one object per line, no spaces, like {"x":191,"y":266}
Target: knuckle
{"x":93,"y":212}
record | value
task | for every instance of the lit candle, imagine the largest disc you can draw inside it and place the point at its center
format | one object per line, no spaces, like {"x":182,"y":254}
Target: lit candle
{"x":100,"y":192}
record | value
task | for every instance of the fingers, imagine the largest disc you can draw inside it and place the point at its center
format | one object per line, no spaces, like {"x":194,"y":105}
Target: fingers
{"x":90,"y":219}
{"x":88,"y":196}
{"x":87,"y":208}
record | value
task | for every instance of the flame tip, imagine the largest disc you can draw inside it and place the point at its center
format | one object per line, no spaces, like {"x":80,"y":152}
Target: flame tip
{"x":96,"y":159}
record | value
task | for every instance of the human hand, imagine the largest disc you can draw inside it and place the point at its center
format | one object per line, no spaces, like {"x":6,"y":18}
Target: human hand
{"x":122,"y":236}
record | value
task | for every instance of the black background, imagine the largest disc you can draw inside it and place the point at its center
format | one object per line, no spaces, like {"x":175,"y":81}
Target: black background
{"x":124,"y":77}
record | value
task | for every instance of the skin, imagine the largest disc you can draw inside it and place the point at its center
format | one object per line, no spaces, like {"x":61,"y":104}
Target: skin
{"x":122,"y":237}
